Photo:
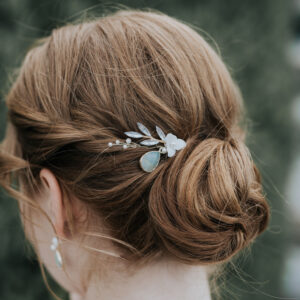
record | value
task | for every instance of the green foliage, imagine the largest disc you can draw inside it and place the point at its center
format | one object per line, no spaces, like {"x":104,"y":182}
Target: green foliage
{"x":251,"y":36}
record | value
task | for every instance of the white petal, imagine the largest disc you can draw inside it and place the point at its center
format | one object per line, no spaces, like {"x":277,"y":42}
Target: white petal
{"x":180,"y":144}
{"x":171,"y":138}
{"x":171,"y":152}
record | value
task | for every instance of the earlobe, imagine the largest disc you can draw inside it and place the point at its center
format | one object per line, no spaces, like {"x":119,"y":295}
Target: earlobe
{"x":55,"y":201}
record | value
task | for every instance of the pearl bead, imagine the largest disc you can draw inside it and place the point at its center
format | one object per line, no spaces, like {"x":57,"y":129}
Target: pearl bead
{"x":164,"y":150}
{"x":109,"y":144}
{"x":125,"y":146}
{"x":55,"y":241}
{"x":117,"y":142}
{"x":128,"y":140}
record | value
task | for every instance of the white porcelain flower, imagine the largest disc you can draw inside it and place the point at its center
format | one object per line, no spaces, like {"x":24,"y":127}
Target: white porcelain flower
{"x":173,"y":144}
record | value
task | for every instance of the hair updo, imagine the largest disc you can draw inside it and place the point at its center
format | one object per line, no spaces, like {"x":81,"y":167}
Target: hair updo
{"x":87,"y":84}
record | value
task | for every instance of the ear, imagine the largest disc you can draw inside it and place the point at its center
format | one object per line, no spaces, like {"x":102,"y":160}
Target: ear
{"x":54,"y":198}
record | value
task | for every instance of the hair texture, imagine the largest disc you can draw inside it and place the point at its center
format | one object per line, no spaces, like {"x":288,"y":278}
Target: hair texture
{"x":86,"y":84}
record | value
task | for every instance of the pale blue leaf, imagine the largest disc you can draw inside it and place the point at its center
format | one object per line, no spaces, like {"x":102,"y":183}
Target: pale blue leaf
{"x":133,"y":134}
{"x":149,"y":142}
{"x":160,"y":133}
{"x":143,"y":129}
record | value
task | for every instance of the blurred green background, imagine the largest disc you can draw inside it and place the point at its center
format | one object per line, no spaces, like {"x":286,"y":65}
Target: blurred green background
{"x":252,"y":37}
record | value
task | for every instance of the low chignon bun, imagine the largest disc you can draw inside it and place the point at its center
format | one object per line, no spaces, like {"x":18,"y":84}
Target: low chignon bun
{"x":208,"y":204}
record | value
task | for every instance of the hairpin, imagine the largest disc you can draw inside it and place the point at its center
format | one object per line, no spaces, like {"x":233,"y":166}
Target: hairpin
{"x":149,"y":161}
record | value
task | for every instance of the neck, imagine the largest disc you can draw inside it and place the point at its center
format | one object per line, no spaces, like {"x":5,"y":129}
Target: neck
{"x":166,"y":279}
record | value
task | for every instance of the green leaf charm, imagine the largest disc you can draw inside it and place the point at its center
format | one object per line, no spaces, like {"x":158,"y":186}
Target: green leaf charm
{"x":150,"y":160}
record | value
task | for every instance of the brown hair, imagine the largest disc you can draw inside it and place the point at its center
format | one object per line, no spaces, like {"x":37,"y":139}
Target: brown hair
{"x":86,"y":84}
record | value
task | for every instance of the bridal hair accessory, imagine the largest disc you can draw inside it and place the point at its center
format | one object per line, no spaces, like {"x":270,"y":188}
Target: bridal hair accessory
{"x":54,"y":247}
{"x":149,"y":160}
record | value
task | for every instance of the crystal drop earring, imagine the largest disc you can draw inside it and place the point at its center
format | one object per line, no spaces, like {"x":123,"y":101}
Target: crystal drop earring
{"x":55,"y":247}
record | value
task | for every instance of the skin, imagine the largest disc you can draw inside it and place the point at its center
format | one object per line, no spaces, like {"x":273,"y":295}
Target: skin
{"x":163,"y":279}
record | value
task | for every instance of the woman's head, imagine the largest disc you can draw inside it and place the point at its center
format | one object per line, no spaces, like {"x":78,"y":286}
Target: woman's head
{"x":87,"y":84}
